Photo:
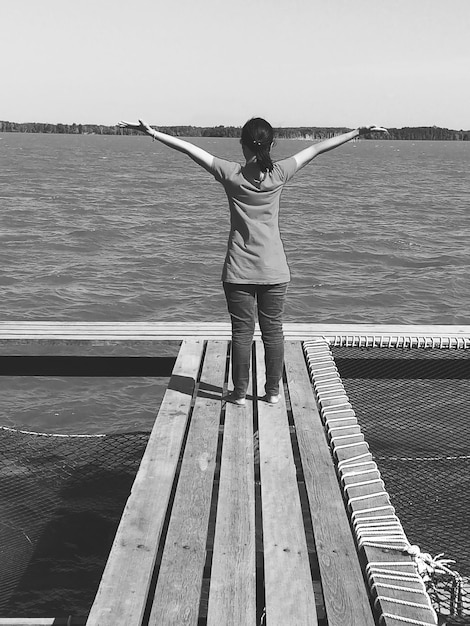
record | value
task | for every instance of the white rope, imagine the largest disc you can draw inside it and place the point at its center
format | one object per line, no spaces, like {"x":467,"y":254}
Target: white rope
{"x":356,"y":426}
{"x":351,"y":445}
{"x":322,"y":364}
{"x":351,"y":461}
{"x":368,"y":495}
{"x":360,"y":473}
{"x":377,"y":523}
{"x":326,"y":411}
{"x":331,"y":375}
{"x":30,"y":432}
{"x":325,"y":357}
{"x":364,"y":483}
{"x":381,"y":533}
{"x":327,"y":392}
{"x":336,"y":406}
{"x":386,"y":507}
{"x":335,"y":385}
{"x":426,"y":458}
{"x":376,"y":526}
{"x":376,"y":517}
{"x":396,"y":587}
{"x":341,"y":437}
{"x":406,"y":620}
{"x":400,"y":341}
{"x":400,"y":577}
{"x":342,"y":419}
{"x":426,"y":566}
{"x":415,"y":605}
{"x":379,"y":566}
{"x":386,"y":545}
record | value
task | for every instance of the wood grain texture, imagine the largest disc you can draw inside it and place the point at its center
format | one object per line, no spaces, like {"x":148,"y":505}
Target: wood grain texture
{"x":232,"y":595}
{"x":288,"y":582}
{"x":178,"y":589}
{"x":122,"y":594}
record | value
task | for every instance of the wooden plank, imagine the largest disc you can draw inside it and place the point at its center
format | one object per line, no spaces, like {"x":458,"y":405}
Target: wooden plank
{"x":153,"y":331}
{"x":41,"y":621}
{"x":346,"y":596}
{"x":288,"y":582}
{"x":178,"y":589}
{"x":122,"y":594}
{"x":232,"y":596}
{"x":66,"y":326}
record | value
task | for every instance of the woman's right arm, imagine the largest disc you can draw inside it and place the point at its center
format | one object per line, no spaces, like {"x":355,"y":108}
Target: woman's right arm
{"x":197,"y":154}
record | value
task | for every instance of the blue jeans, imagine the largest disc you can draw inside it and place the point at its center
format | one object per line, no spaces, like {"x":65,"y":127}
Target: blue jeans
{"x":241,"y":300}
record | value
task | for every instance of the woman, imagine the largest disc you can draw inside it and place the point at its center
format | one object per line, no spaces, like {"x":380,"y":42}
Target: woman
{"x":255,"y":268}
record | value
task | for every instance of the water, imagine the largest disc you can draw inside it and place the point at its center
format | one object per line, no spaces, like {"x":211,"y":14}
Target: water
{"x":108,"y":228}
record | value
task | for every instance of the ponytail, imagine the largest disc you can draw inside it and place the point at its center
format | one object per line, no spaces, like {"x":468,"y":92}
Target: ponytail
{"x":257,"y":136}
{"x":263,"y":158}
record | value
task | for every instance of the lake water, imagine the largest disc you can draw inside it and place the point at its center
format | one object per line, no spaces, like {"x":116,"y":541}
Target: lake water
{"x":103,"y":228}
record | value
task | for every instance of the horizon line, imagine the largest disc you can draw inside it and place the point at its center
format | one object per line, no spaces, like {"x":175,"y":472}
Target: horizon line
{"x":229,"y":125}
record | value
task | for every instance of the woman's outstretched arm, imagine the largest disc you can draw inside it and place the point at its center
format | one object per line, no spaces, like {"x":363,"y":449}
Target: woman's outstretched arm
{"x":200,"y":156}
{"x":305,"y":156}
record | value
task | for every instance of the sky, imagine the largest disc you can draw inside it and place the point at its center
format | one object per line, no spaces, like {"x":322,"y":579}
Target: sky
{"x":208,"y":62}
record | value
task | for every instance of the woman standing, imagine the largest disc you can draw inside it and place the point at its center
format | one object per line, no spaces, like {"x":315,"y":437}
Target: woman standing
{"x":255,"y":271}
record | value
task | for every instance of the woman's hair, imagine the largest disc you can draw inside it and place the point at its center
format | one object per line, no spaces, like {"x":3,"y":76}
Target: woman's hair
{"x":257,"y":136}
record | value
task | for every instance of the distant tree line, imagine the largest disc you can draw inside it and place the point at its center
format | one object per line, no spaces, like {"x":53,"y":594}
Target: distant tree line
{"x":433,"y":133}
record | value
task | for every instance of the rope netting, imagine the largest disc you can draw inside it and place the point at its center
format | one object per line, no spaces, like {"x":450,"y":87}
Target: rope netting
{"x":61,"y":499}
{"x":413,"y":406}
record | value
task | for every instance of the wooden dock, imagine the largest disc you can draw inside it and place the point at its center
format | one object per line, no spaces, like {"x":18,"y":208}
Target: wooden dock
{"x":217,"y":524}
{"x":253,"y":515}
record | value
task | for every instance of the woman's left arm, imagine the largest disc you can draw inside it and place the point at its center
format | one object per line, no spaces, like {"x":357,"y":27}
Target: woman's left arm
{"x":305,"y":156}
{"x":199,"y":155}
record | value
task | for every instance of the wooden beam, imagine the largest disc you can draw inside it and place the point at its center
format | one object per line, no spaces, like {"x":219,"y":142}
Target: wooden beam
{"x":95,"y":366}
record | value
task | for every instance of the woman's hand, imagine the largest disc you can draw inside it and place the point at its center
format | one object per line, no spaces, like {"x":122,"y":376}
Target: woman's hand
{"x":142,"y":127}
{"x":365,"y":130}
{"x":201,"y":157}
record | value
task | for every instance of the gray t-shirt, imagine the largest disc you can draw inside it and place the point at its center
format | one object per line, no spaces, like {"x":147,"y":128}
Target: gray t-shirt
{"x":255,"y":253}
